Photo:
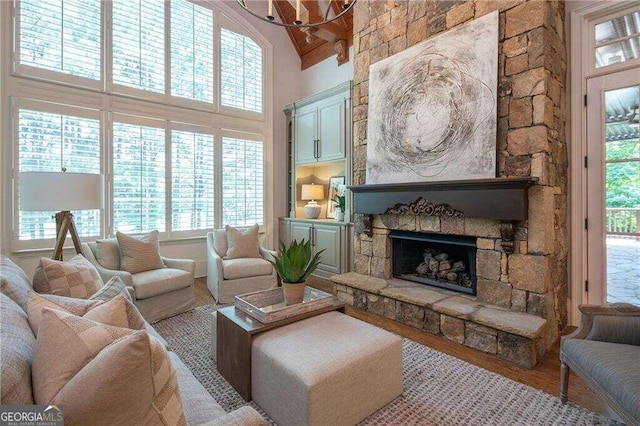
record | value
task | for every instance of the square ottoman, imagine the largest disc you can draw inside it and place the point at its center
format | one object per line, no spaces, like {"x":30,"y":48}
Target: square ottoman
{"x":331,"y":369}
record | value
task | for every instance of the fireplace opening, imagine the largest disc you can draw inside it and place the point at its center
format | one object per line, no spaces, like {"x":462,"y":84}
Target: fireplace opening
{"x":445,"y":261}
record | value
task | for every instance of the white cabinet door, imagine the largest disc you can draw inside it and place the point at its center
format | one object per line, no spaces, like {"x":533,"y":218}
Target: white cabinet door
{"x":306,"y":129}
{"x":328,"y":238}
{"x":300,"y":231}
{"x":331,"y":130}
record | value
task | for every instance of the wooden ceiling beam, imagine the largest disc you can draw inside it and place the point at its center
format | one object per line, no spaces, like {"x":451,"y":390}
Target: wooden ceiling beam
{"x":330,"y":31}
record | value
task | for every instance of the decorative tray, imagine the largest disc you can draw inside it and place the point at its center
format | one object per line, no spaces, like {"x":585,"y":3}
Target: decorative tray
{"x":268,"y":305}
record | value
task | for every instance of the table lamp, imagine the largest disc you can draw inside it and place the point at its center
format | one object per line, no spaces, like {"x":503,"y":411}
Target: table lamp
{"x":46,"y":191}
{"x":312,"y":192}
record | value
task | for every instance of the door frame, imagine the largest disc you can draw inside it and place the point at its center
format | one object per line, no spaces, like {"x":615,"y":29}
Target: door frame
{"x":579,"y":71}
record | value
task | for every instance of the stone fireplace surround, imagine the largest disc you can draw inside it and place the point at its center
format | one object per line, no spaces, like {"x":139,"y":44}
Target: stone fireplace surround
{"x":532,"y":280}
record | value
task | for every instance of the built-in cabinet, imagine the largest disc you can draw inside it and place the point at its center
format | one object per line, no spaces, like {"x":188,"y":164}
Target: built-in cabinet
{"x":319,"y":130}
{"x":330,"y":236}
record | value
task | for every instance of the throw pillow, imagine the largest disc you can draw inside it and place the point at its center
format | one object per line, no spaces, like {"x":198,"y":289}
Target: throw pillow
{"x":108,"y":253}
{"x":242,"y":243}
{"x":139,"y":254}
{"x":14,"y":282}
{"x":111,"y":289}
{"x":104,"y":374}
{"x":75,"y":278}
{"x":118,"y":311}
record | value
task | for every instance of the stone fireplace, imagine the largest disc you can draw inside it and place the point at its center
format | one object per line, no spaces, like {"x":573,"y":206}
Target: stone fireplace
{"x":443,"y":261}
{"x":521,"y":259}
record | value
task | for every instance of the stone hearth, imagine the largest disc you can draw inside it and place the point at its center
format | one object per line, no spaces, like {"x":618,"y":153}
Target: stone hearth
{"x":514,"y":336}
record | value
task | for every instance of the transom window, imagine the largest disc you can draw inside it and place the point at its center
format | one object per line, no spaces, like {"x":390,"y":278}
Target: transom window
{"x":617,"y":40}
{"x":107,"y":87}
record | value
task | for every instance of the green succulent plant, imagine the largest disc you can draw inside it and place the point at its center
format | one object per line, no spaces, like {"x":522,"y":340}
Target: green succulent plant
{"x":296,"y":262}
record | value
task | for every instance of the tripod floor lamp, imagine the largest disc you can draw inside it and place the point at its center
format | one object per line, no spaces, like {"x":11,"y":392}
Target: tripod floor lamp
{"x":47,"y":191}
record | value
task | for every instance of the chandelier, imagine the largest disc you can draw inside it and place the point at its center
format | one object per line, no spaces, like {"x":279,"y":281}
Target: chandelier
{"x":308,"y":13}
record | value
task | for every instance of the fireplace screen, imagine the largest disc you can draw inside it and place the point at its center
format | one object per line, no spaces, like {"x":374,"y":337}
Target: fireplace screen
{"x":446,"y":261}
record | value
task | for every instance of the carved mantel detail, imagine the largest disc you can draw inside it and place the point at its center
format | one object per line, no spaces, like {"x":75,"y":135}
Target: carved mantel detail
{"x":425,"y":208}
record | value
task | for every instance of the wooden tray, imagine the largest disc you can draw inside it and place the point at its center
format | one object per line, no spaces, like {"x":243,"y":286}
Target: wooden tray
{"x":268,"y":305}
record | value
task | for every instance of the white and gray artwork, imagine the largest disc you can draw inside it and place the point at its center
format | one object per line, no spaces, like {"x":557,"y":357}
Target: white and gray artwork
{"x":432,"y":108}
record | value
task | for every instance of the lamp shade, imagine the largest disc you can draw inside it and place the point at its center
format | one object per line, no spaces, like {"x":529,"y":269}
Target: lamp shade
{"x":312,"y":192}
{"x":57,"y":191}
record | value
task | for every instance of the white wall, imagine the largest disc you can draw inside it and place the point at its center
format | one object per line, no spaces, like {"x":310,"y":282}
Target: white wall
{"x":326,"y":74}
{"x":285,"y":89}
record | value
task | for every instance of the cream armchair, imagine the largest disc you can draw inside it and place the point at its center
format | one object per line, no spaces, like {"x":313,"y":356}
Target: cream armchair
{"x":227,"y":278}
{"x":158,"y":293}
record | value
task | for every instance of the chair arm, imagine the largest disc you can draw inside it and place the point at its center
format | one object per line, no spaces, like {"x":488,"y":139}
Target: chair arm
{"x":106,"y":274}
{"x":616,"y":323}
{"x":243,"y":416}
{"x":187,"y":265}
{"x":267,"y":254}
{"x":214,"y":263}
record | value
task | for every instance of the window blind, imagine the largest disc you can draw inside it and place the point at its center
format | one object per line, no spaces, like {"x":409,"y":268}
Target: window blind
{"x":138,"y":178}
{"x":240,"y":71}
{"x":242,"y":182}
{"x":192,"y":179}
{"x":191,"y":51}
{"x":46,"y":143}
{"x":138,"y":44}
{"x":61,"y":35}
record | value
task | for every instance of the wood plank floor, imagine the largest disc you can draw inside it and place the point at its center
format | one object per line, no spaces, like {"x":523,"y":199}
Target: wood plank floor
{"x":546,"y":376}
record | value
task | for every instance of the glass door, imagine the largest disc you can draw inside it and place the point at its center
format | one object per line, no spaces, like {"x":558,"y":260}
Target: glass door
{"x":613,"y":188}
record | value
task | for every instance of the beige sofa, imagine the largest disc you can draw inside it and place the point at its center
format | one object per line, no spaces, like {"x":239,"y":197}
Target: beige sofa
{"x":16,"y":355}
{"x":227,"y":278}
{"x":159,"y":293}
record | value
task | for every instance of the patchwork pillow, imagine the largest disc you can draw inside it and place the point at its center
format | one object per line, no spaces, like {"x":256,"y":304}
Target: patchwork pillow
{"x":118,"y":311}
{"x":75,"y":278}
{"x":108,"y":253}
{"x":111,"y":289}
{"x":242,"y":243}
{"x":110,"y":375}
{"x":139,"y":254}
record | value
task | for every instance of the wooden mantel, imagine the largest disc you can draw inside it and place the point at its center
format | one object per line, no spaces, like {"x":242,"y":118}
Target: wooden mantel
{"x":503,"y":199}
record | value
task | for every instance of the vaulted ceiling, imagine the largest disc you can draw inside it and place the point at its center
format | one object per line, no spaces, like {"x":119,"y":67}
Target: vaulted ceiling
{"x":317,"y":44}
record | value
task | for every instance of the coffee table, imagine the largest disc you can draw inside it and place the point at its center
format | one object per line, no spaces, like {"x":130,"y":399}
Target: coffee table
{"x":235,"y":331}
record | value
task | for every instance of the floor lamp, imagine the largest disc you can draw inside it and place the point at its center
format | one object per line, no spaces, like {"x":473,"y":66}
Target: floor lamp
{"x":47,"y":191}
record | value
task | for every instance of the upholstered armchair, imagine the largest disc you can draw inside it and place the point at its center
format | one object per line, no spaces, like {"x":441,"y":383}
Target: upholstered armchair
{"x":158,"y":293}
{"x":229,"y":277}
{"x":605,"y":351}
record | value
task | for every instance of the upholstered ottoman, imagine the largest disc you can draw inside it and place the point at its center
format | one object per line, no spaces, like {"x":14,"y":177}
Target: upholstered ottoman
{"x":331,"y":369}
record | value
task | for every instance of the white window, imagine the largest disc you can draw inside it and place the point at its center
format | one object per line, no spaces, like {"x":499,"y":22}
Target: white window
{"x":47,"y":142}
{"x":138,"y":44}
{"x":617,"y":40}
{"x":242,"y":181}
{"x":191,"y":51}
{"x":240,"y":71}
{"x":62,"y":36}
{"x":138,"y":178}
{"x":139,"y":90}
{"x":192,"y":181}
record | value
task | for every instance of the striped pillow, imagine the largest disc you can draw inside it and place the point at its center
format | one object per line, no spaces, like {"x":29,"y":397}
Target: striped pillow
{"x":118,"y":311}
{"x":75,"y":278}
{"x":111,"y":289}
{"x":110,"y":375}
{"x":139,"y":254}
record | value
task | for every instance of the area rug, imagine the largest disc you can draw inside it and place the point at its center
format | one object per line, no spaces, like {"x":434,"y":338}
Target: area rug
{"x":438,"y":388}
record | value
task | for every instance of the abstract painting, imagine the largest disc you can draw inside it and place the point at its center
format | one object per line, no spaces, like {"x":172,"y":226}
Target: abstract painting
{"x":432,"y":108}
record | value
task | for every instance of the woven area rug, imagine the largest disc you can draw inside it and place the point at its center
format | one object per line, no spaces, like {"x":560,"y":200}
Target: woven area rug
{"x":438,"y":388}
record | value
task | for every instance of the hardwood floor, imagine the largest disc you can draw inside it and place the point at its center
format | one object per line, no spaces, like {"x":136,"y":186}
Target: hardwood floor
{"x":546,"y":376}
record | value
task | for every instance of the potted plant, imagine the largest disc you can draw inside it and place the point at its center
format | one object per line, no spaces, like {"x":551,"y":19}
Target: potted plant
{"x":339,"y":201}
{"x":294,"y":264}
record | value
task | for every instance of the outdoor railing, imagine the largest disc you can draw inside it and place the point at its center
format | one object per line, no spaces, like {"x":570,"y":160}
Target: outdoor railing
{"x":623,"y":221}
